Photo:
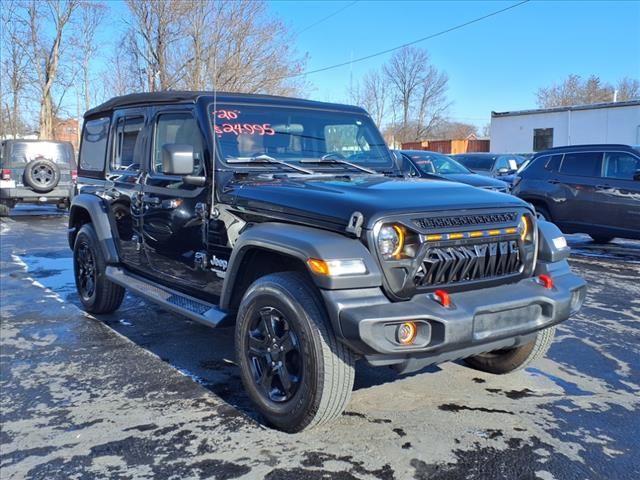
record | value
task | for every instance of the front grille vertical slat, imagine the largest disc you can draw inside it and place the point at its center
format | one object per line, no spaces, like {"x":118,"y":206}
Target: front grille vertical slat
{"x":443,"y":265}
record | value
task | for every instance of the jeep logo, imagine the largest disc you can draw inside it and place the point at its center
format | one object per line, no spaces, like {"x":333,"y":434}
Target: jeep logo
{"x":219,"y":263}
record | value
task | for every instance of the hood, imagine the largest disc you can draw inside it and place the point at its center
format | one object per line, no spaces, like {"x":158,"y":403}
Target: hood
{"x":475,"y":180}
{"x":331,"y":200}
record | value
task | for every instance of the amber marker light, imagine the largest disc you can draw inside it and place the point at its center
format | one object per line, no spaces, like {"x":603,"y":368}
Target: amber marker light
{"x":456,"y":236}
{"x":524,"y":227}
{"x":494,"y":232}
{"x":319,"y":266}
{"x":475,"y":234}
{"x":433,"y":238}
{"x":407,"y":333}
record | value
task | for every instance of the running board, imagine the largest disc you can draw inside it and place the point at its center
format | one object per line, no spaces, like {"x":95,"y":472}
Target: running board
{"x":178,"y":302}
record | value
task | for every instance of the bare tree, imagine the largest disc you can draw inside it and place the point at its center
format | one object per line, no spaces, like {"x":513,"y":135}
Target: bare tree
{"x":419,"y":89}
{"x":204,"y":44}
{"x":448,"y":130}
{"x":372,"y":95}
{"x":628,"y":89}
{"x":91,"y":16}
{"x":575,"y":91}
{"x":46,"y":52}
{"x":15,"y":69}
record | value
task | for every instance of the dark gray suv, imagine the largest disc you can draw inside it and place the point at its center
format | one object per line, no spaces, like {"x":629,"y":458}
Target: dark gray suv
{"x":593,"y":189}
{"x":35,"y":171}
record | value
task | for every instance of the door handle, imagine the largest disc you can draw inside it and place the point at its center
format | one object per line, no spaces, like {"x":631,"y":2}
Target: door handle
{"x":603,"y":187}
{"x":553,"y":182}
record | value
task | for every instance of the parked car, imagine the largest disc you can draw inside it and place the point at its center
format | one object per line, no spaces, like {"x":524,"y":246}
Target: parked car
{"x":593,"y":189}
{"x":273,"y":213}
{"x":490,"y":164}
{"x":35,"y":171}
{"x":424,"y":164}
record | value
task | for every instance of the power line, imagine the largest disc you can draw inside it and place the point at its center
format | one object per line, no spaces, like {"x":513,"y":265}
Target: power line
{"x":429,"y":37}
{"x":326,"y":18}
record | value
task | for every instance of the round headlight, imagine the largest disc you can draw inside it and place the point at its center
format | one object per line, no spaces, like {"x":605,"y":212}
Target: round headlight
{"x":526,"y":235}
{"x":390,"y":240}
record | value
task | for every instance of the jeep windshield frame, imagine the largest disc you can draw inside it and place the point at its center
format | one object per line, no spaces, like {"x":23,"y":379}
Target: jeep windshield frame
{"x":296,"y":135}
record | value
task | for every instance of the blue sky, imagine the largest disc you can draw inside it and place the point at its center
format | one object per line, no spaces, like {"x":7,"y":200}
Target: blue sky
{"x":496,"y":64}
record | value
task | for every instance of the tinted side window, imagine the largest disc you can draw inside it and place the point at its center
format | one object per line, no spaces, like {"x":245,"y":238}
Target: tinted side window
{"x":620,"y":165}
{"x":127,"y":136}
{"x":476,"y":163}
{"x":180,"y":128}
{"x":94,"y":145}
{"x":584,"y":164}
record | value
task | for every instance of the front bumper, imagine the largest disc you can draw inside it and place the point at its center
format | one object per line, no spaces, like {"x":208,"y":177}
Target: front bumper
{"x":478,"y":321}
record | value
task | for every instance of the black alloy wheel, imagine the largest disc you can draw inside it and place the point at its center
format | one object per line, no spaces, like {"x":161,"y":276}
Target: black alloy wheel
{"x":85,"y":271}
{"x":273,"y":352}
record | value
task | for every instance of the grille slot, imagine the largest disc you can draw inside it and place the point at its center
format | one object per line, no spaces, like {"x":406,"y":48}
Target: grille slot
{"x":465,"y":220}
{"x":464,"y":263}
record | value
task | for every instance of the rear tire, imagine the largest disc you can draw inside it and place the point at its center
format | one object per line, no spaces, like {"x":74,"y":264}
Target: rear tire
{"x":295,"y":371}
{"x":601,"y":238}
{"x":97,"y":293}
{"x":507,"y":361}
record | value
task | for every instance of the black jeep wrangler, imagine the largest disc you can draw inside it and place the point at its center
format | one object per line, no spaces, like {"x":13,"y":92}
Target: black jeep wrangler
{"x":288,"y":217}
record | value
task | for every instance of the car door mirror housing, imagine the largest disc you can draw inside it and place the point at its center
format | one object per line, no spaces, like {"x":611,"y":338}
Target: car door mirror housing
{"x":177,"y":159}
{"x":504,"y":171}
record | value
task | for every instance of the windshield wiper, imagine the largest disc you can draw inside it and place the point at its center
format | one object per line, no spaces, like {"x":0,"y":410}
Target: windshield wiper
{"x":337,"y":161}
{"x":267,"y":159}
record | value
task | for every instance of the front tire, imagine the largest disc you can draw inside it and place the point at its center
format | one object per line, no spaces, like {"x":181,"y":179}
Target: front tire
{"x":293,"y":368}
{"x":97,"y":293}
{"x":510,"y":360}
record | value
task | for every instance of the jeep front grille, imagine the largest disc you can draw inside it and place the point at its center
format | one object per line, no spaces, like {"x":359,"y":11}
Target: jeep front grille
{"x":442,"y":265}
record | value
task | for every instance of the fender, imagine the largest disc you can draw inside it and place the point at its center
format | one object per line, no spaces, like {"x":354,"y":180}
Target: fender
{"x":548,"y":250}
{"x":100,"y":214}
{"x":302,"y":243}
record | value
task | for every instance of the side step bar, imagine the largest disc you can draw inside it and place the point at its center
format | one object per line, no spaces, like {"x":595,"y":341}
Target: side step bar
{"x":178,"y":302}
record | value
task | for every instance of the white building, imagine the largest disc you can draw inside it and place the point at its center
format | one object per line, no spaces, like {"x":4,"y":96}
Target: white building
{"x":535,"y":130}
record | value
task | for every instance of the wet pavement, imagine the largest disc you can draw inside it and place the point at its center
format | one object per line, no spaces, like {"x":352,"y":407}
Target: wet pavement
{"x":143,"y":393}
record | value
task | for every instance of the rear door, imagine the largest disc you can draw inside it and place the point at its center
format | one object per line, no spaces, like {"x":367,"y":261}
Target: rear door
{"x":124,"y":181}
{"x":578,"y":201}
{"x":620,"y":192}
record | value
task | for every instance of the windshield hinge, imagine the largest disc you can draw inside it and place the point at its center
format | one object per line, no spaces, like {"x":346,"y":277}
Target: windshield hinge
{"x":355,"y":224}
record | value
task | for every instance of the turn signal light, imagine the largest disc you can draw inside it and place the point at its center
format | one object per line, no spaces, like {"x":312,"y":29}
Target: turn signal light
{"x":442,"y":298}
{"x":545,"y":280}
{"x":74,"y":175}
{"x":407,"y":333}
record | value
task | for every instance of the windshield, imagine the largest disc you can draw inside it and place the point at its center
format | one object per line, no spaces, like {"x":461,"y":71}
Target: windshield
{"x":436,"y":164}
{"x":294,"y":134}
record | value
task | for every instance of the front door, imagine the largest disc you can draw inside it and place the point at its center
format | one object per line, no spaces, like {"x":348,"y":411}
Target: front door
{"x":173,"y":224}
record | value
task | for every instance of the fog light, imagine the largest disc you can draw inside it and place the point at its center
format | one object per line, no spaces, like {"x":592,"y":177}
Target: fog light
{"x":407,"y":333}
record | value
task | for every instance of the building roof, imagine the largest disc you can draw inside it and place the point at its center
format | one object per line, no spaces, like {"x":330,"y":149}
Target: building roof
{"x":141,"y":99}
{"x":594,"y":106}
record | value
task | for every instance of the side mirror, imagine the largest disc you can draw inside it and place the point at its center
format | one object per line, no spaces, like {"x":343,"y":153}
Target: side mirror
{"x":177,"y":159}
{"x":503,"y":171}
{"x":636,"y":175}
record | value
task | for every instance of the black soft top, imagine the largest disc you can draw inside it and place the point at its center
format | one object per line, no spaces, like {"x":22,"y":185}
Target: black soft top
{"x":155,"y":98}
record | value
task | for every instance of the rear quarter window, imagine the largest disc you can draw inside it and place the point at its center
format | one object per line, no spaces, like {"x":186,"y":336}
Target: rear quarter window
{"x":542,"y":165}
{"x":94,"y":145}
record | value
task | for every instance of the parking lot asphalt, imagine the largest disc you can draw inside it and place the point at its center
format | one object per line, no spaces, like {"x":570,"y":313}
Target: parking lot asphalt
{"x":143,"y":393}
